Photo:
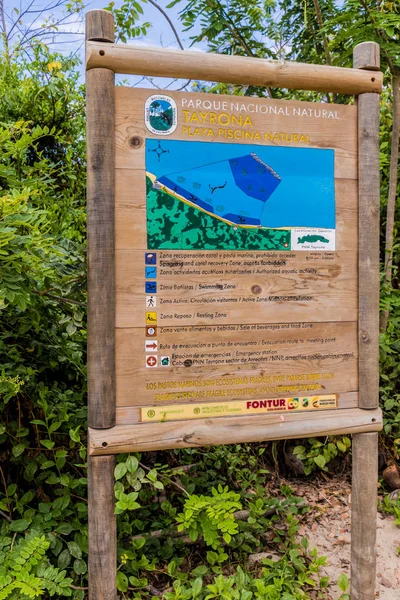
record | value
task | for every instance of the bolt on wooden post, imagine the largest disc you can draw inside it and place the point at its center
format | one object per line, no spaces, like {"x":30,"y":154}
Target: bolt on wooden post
{"x":219,"y":312}
{"x":101,"y":308}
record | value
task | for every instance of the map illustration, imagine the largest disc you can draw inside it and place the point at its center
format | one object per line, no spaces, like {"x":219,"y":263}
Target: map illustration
{"x":232,"y":196}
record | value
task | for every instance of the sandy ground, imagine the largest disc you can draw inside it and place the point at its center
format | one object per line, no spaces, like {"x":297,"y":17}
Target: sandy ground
{"x":327,"y":527}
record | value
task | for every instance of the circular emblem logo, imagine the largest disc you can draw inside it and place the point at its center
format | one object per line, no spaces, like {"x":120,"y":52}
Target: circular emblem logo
{"x":151,"y":414}
{"x":196,"y":411}
{"x":160,"y":114}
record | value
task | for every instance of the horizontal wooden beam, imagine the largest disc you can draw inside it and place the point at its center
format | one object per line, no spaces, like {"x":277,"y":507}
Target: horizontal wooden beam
{"x":231,"y":430}
{"x":162,"y":62}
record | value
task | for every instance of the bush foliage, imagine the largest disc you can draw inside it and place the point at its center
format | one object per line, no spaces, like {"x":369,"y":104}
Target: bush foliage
{"x":179,"y":528}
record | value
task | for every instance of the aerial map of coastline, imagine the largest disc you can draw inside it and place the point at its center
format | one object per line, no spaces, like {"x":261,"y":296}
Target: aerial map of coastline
{"x":218,"y":196}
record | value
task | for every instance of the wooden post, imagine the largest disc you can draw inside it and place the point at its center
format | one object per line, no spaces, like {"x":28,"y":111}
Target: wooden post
{"x":101,"y":309}
{"x":100,"y":228}
{"x":368,"y":244}
{"x":102,"y":529}
{"x":363,"y":516}
{"x":365,"y":445}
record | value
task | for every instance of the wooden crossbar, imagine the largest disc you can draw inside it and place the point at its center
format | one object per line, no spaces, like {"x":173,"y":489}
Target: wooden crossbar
{"x":231,"y":430}
{"x":162,"y":62}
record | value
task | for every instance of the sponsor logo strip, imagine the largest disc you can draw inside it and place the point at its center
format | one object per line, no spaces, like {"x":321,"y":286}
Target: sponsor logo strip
{"x":238,"y":407}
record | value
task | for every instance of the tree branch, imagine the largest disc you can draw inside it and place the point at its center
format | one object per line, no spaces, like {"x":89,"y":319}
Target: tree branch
{"x":59,"y":298}
{"x":239,"y":38}
{"x":165,"y":15}
{"x":320,"y":21}
{"x":5,"y":35}
{"x":240,"y":515}
{"x":5,"y":516}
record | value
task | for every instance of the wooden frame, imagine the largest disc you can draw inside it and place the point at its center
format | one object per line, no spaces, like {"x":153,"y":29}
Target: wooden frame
{"x":230,"y":430}
{"x":101,"y":307}
{"x":122,"y":58}
{"x":104,"y":58}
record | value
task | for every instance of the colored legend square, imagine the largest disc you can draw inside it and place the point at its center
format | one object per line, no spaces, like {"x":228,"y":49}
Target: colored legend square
{"x":151,"y":287}
{"x":151,"y":301}
{"x":150,"y":258}
{"x":151,"y":361}
{"x":151,"y":346}
{"x":151,"y":318}
{"x":150,"y":272}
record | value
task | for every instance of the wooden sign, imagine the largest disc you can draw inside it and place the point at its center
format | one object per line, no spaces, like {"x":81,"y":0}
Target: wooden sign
{"x":236,"y":256}
{"x":233,"y":251}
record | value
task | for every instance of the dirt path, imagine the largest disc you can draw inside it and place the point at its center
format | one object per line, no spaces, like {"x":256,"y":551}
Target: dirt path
{"x":327,"y":526}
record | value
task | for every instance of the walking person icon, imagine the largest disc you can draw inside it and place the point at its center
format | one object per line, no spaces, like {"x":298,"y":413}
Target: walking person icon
{"x":150,"y":301}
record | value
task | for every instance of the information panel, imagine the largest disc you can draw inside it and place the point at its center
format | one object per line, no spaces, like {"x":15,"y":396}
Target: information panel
{"x":236,"y":256}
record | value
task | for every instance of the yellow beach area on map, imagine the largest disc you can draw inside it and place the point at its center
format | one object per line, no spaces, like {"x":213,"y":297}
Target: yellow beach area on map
{"x":242,"y":407}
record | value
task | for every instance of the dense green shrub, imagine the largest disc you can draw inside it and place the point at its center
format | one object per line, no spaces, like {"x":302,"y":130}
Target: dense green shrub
{"x":174,"y":532}
{"x":42,"y":300}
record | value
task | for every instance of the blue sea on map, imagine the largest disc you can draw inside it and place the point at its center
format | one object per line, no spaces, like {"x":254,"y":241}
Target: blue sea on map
{"x":271,"y":186}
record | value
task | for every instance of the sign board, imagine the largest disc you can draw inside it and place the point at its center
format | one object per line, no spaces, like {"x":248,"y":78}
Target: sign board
{"x":236,"y":256}
{"x":233,"y":281}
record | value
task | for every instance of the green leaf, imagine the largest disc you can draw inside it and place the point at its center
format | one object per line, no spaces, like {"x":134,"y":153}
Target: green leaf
{"x":71,"y":328}
{"x":320,"y":461}
{"x":64,"y":559}
{"x":132,"y":464}
{"x":343,"y":582}
{"x":197,"y":587}
{"x":139,"y":543}
{"x":200,"y":570}
{"x":47,"y":444}
{"x":119,"y":471}
{"x":64,"y":529}
{"x":18,"y":449}
{"x":80,"y":567}
{"x":152,"y":475}
{"x":20,"y":525}
{"x":30,"y":471}
{"x":11,"y":489}
{"x":74,"y":550}
{"x":74,"y":435}
{"x":54,"y":426}
{"x":122,"y":582}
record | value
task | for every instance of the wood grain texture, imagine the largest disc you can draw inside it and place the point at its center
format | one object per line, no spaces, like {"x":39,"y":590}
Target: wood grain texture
{"x":318,"y":286}
{"x":329,"y":293}
{"x":100,"y":26}
{"x":101,"y":310}
{"x":237,"y":364}
{"x":100,"y":231}
{"x":363,"y":515}
{"x":369,"y":199}
{"x":281,"y":117}
{"x":102,"y":529}
{"x":231,"y":430}
{"x":367,"y":56}
{"x":164,"y":62}
{"x":129,"y":415}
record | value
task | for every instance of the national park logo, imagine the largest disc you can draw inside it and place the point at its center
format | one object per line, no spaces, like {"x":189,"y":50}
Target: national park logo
{"x":160,"y":114}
